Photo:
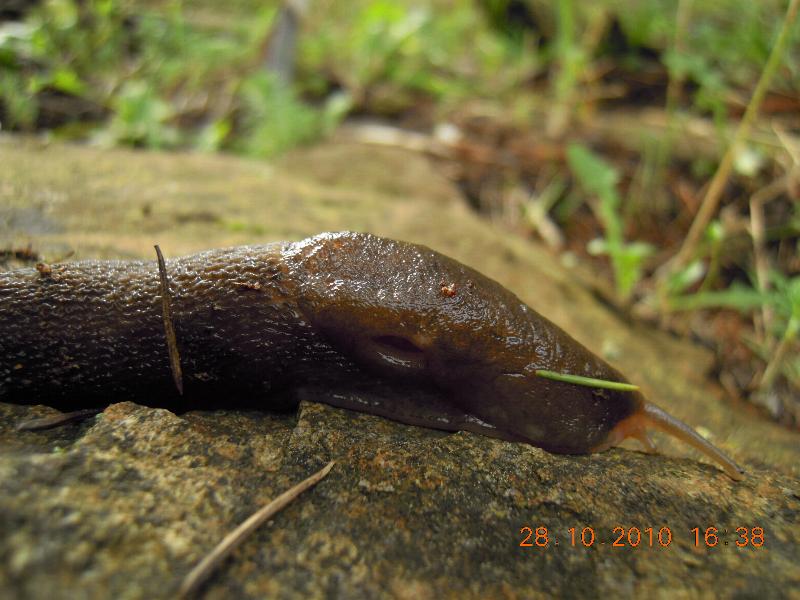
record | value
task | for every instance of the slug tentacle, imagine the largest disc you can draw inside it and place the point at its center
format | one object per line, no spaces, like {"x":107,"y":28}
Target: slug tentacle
{"x":677,"y":428}
{"x":651,"y":416}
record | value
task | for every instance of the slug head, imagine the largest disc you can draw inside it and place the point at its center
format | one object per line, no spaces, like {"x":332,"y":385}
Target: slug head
{"x":407,"y":313}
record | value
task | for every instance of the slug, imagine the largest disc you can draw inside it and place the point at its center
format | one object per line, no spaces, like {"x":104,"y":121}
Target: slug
{"x":349,"y":319}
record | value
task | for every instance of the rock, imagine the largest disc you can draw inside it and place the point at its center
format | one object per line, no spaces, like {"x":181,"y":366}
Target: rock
{"x":123,"y":505}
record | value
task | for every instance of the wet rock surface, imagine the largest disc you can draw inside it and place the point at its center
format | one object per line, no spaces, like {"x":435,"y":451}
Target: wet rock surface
{"x":124,"y":504}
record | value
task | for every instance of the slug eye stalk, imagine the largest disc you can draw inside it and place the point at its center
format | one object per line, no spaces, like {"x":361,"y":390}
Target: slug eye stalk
{"x":652,"y":417}
{"x":659,"y":419}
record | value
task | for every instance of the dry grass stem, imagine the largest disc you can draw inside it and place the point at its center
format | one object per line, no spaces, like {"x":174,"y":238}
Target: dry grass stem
{"x":169,"y":328}
{"x":192,"y":582}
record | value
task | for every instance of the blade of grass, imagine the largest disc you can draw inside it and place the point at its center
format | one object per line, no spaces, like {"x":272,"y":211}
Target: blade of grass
{"x":587,"y":381}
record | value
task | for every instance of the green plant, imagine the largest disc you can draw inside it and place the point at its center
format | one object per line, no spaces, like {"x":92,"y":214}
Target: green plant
{"x":19,"y":111}
{"x":568,"y":59}
{"x":600,"y":179}
{"x":729,"y":40}
{"x":141,"y":117}
{"x":779,"y":349}
{"x":786,"y":302}
{"x":715,"y":189}
{"x":704,"y":268}
{"x":273,"y":119}
{"x":155,"y":80}
{"x":53,"y":53}
{"x":568,"y":54}
{"x":388,"y":54}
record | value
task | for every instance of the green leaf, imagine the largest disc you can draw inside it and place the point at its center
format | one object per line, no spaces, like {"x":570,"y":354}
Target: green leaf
{"x":743,"y":299}
{"x":212,"y":136}
{"x":686,"y":277}
{"x":595,"y":175}
{"x":67,"y":80}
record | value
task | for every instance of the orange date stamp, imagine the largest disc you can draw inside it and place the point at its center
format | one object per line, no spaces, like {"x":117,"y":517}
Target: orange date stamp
{"x":636,"y":537}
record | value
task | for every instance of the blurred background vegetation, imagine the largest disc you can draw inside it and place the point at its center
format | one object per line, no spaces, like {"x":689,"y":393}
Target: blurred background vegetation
{"x":654,"y":144}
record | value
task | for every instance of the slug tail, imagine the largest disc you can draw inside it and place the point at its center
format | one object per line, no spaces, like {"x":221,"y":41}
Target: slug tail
{"x":656,"y":417}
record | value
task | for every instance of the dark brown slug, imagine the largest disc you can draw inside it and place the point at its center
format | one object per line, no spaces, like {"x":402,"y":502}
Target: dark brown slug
{"x":348,"y":319}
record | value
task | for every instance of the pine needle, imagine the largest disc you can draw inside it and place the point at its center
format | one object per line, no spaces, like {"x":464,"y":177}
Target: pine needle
{"x":169,"y":328}
{"x":230,"y":542}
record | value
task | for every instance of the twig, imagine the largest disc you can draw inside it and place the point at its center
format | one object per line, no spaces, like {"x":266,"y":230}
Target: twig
{"x":56,"y":420}
{"x":169,"y":329}
{"x":758,"y":234}
{"x":714,"y":193}
{"x":775,"y":361}
{"x":230,"y":542}
{"x":789,"y":142}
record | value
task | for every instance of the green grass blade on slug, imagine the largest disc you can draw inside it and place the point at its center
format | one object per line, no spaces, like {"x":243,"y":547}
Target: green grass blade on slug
{"x":587,"y":381}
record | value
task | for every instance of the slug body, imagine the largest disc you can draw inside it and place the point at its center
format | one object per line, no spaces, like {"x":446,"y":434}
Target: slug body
{"x":349,"y":319}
